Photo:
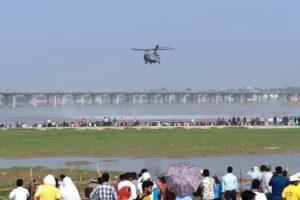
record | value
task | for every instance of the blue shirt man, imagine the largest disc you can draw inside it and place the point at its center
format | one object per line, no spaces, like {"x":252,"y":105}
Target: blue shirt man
{"x":278,"y":183}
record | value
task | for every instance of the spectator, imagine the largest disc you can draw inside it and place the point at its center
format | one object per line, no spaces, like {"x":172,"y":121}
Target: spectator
{"x":20,"y":193}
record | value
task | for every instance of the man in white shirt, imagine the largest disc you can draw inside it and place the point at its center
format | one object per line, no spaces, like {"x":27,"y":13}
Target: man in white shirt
{"x":19,"y":193}
{"x":229,"y":185}
{"x":266,"y":176}
{"x":127,"y":182}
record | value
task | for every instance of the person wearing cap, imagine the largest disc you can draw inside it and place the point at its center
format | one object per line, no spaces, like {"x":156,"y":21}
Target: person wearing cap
{"x":292,"y":192}
{"x":140,"y":175}
{"x":278,"y":183}
{"x":144,"y":177}
{"x":298,"y":175}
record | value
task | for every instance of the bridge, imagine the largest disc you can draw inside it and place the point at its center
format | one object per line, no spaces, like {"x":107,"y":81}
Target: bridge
{"x":16,"y":99}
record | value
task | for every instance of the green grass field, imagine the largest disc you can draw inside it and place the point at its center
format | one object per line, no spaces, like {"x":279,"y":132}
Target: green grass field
{"x":177,"y":142}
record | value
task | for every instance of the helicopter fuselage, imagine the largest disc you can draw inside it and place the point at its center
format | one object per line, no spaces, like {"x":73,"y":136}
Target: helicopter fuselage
{"x":151,"y":58}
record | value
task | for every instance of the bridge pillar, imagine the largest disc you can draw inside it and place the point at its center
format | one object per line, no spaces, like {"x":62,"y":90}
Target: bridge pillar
{"x":82,"y":100}
{"x":242,"y":98}
{"x":117,"y":99}
{"x":170,"y":99}
{"x":258,"y":98}
{"x":48,"y":99}
{"x":14,"y":101}
{"x":134,"y":99}
{"x":34,"y":101}
{"x":55,"y":100}
{"x":285,"y":98}
{"x":217,"y":98}
{"x":204,"y":98}
{"x":100,"y":100}
{"x":156,"y":99}
{"x":184,"y":99}
{"x":127,"y":96}
{"x":111,"y":99}
{"x":93,"y":99}
{"x":63,"y":100}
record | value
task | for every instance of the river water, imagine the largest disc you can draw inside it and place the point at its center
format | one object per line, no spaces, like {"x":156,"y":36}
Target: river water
{"x":145,"y":112}
{"x":216,"y":164}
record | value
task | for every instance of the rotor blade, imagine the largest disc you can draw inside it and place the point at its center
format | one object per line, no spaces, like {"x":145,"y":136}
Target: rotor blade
{"x":166,"y":49}
{"x":168,"y":46}
{"x":140,"y":49}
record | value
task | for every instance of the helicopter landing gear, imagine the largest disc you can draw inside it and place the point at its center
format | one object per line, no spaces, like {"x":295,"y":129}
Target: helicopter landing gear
{"x":145,"y":62}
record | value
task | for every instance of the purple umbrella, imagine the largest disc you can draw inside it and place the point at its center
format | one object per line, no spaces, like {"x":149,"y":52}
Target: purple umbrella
{"x":183,"y":178}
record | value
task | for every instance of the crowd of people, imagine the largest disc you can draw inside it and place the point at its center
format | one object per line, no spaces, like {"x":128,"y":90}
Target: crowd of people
{"x":265,"y":185}
{"x":114,"y":122}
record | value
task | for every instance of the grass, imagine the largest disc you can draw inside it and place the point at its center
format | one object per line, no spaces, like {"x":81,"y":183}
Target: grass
{"x":77,"y":163}
{"x":177,"y":142}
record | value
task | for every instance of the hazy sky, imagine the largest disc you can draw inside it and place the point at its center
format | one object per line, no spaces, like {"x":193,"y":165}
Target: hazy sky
{"x":85,"y":45}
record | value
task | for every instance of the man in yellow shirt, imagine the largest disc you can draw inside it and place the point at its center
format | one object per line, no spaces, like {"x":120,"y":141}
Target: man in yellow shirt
{"x":48,"y":191}
{"x":147,"y":187}
{"x":292,"y":192}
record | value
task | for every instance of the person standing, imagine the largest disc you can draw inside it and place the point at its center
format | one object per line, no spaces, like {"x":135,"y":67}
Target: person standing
{"x":68,"y":189}
{"x":147,"y":187}
{"x":255,"y":187}
{"x":20,"y":193}
{"x":127,"y":182}
{"x":254,"y":173}
{"x":266,"y":176}
{"x":229,"y":185}
{"x":207,"y":186}
{"x":104,"y":191}
{"x":278,"y":183}
{"x":48,"y":191}
{"x":218,"y":189}
{"x":292,"y":192}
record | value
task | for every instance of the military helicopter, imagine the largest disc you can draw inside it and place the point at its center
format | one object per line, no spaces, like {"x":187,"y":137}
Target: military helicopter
{"x":151,"y":56}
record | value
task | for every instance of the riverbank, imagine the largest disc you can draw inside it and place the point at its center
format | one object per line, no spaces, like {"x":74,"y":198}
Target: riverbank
{"x":143,"y":143}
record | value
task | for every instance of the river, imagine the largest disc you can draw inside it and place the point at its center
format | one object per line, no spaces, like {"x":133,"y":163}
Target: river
{"x":216,"y":164}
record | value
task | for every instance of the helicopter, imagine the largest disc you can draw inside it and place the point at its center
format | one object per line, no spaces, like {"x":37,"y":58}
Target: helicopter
{"x":151,"y":55}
